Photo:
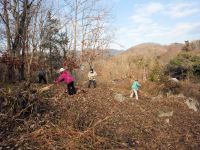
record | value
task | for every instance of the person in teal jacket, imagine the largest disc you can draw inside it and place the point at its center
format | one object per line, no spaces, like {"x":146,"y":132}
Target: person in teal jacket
{"x":134,"y":89}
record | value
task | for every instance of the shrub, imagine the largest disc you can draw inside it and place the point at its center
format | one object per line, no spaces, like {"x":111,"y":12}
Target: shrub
{"x":156,"y":72}
{"x":185,"y":65}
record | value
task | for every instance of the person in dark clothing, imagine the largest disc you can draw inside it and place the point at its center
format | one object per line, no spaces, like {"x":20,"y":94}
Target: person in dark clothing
{"x":71,"y":88}
{"x":42,"y":76}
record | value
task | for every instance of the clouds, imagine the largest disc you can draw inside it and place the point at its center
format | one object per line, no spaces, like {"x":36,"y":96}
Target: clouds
{"x":147,"y":10}
{"x":143,"y":13}
{"x":161,"y":22}
{"x":116,"y":1}
{"x":183,"y":9}
{"x":186,"y":28}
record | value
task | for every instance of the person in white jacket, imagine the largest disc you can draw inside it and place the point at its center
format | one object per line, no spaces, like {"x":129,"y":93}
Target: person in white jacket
{"x":92,"y":78}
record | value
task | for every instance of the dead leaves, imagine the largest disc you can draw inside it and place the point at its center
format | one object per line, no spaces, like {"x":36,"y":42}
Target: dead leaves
{"x":92,"y":119}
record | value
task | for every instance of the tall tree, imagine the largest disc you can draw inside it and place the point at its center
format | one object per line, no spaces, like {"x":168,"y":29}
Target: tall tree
{"x":50,"y":39}
{"x":89,"y":24}
{"x":16,"y":17}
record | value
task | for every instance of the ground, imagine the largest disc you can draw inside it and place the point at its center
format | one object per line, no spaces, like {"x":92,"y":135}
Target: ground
{"x":95,"y":119}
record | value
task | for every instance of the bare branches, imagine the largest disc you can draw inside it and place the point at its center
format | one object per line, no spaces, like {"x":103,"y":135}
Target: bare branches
{"x":88,"y":23}
{"x":81,"y":25}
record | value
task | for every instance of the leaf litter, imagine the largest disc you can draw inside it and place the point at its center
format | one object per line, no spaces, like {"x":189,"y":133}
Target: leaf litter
{"x":37,"y":116}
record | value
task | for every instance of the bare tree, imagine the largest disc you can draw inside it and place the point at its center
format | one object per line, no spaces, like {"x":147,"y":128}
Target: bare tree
{"x":89,"y":25}
{"x":6,"y":21}
{"x":16,"y":17}
{"x":34,"y":31}
{"x":82,"y":26}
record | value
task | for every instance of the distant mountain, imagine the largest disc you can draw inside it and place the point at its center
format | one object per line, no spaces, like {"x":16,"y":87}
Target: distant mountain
{"x":153,"y":50}
{"x":108,"y":52}
{"x":113,"y":52}
{"x":172,"y":51}
{"x":126,"y":63}
{"x":147,"y":50}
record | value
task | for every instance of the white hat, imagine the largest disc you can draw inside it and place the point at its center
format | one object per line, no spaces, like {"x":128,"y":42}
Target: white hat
{"x":61,"y":70}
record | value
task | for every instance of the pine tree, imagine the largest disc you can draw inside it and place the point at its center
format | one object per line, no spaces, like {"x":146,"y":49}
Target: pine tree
{"x":50,"y":41}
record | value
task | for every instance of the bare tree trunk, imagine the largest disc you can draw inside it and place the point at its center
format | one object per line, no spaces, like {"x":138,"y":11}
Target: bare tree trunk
{"x":23,"y":25}
{"x":144,"y":74}
{"x":75,"y":27}
{"x":33,"y":39}
{"x":50,"y":59}
{"x":5,"y":18}
{"x":23,"y":31}
{"x":7,"y":23}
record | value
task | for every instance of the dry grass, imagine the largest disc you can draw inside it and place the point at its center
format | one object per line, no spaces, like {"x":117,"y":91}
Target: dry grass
{"x":191,"y":90}
{"x":93,"y":119}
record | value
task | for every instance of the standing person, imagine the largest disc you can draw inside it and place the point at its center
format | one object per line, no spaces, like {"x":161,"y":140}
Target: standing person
{"x":66,"y":77}
{"x":135,"y":87}
{"x":92,"y":75}
{"x":42,"y":76}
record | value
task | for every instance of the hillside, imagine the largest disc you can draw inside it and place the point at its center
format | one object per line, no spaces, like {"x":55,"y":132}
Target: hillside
{"x":113,"y":52}
{"x":147,"y":50}
{"x":152,"y":50}
{"x":101,"y":118}
{"x":172,"y":51}
{"x":132,"y":61}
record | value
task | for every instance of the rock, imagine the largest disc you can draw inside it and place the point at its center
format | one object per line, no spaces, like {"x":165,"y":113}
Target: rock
{"x":32,"y":126}
{"x":174,"y":79}
{"x":167,"y":114}
{"x":181,"y":96}
{"x":119,"y":97}
{"x":167,"y":120}
{"x":192,"y":104}
{"x":169,"y":94}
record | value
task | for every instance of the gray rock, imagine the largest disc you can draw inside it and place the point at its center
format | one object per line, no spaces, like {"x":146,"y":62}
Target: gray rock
{"x":167,"y":121}
{"x":174,"y":79}
{"x":167,"y":114}
{"x":32,"y":126}
{"x":119,"y":97}
{"x":181,"y":96}
{"x":192,"y":104}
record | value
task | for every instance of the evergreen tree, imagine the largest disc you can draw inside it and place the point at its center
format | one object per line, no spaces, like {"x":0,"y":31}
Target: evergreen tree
{"x":50,"y":40}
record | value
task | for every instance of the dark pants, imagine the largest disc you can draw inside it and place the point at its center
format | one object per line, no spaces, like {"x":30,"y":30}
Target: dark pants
{"x":92,"y":82}
{"x":71,"y":89}
{"x":42,"y":78}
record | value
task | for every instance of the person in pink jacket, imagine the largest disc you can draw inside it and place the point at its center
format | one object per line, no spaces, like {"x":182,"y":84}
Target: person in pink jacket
{"x":66,"y":77}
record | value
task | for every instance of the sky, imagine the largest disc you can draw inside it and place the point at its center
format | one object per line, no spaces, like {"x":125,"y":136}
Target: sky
{"x":155,"y":21}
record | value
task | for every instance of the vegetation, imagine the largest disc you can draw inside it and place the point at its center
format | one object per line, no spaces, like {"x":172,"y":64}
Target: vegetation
{"x":156,"y":72}
{"x":37,"y":35}
{"x":185,"y":65}
{"x":36,"y":117}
